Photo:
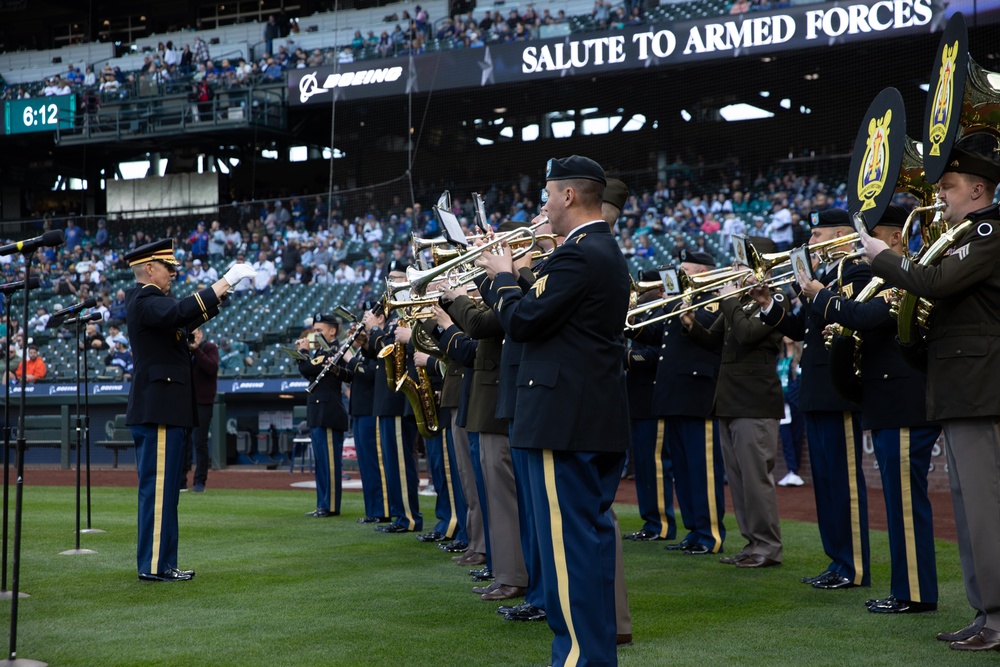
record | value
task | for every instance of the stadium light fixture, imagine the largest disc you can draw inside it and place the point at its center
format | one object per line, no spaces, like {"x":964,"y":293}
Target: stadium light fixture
{"x":743,"y":111}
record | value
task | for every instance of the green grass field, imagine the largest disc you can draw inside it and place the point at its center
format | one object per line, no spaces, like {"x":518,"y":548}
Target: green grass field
{"x":276,"y":588}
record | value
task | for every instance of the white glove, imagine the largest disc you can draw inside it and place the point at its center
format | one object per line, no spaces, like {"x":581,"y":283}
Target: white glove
{"x":237,"y":273}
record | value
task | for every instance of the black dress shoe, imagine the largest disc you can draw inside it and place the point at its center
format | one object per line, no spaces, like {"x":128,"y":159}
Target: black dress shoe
{"x":525,"y":612}
{"x":968,"y":631}
{"x":368,"y":519}
{"x":484,"y":574}
{"x":678,"y":546}
{"x":644,"y":536}
{"x":833,"y":581}
{"x":813,"y":580}
{"x":697,"y":550}
{"x":509,"y":609}
{"x":893,"y":606}
{"x":432,"y":536}
{"x":883,"y":601}
{"x":392,"y":528}
{"x":169,"y":575}
{"x":454,"y":547}
{"x":986,"y":640}
{"x":320,"y":513}
{"x":757,"y":560}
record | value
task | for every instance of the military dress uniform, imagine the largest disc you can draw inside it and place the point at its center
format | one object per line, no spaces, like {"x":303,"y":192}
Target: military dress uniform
{"x":366,"y":442}
{"x":892,"y":397}
{"x":686,"y":443}
{"x":748,"y":405}
{"x":506,"y":553}
{"x":327,"y":421}
{"x":572,"y":417}
{"x":396,"y":437}
{"x":833,"y":431}
{"x":963,"y":361}
{"x":451,"y":388}
{"x":161,"y":406}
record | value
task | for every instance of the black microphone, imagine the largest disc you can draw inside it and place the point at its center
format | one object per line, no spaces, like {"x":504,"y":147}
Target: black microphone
{"x":76,"y":307}
{"x":9,"y":288}
{"x":93,"y":317}
{"x":47,"y":240}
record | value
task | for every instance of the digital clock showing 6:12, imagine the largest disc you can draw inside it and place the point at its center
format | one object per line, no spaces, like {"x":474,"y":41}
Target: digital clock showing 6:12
{"x":40,"y":114}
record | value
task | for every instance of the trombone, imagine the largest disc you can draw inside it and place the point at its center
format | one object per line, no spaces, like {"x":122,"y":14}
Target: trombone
{"x":686,"y":295}
{"x":417,"y":281}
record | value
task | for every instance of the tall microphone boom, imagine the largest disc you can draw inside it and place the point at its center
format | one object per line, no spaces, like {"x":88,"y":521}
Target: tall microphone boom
{"x":93,"y":317}
{"x":76,"y":307}
{"x":47,"y":240}
{"x":9,"y":288}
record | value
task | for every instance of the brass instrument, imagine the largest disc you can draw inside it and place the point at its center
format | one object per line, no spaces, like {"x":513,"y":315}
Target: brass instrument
{"x":420,"y":393}
{"x":417,"y":281}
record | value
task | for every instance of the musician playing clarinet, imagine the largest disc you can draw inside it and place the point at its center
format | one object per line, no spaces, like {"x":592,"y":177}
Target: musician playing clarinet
{"x":325,"y":414}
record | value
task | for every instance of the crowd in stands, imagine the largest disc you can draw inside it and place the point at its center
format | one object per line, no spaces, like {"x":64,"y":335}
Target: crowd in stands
{"x":177,"y":68}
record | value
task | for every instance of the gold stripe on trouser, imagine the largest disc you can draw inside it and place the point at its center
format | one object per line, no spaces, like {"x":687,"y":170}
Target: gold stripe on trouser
{"x":453,"y":521}
{"x":559,"y":554}
{"x":713,"y":510}
{"x":161,"y":467}
{"x":661,"y":505}
{"x":852,"y":483}
{"x":381,"y":467}
{"x":410,"y":523}
{"x":333,"y":469}
{"x":906,"y":494}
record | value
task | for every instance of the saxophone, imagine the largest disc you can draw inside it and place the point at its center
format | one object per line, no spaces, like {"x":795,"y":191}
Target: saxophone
{"x":419,"y":394}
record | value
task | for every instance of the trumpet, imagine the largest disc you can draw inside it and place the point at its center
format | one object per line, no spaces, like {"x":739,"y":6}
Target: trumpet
{"x":417,"y":281}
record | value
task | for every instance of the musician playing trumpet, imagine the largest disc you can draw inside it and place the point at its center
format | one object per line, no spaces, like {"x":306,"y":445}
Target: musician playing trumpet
{"x":325,"y":414}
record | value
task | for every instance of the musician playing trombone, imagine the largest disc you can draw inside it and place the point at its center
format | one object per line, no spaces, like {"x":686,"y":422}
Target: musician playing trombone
{"x":325,"y":414}
{"x":833,"y":427}
{"x":748,"y":405}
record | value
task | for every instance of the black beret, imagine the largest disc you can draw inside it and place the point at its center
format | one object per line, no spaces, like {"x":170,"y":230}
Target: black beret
{"x":966,"y":162}
{"x":398,"y":265}
{"x":574,"y":166}
{"x":831,"y":217}
{"x":695,"y":257}
{"x":649,"y":275}
{"x":762,"y":244}
{"x":615,"y":193}
{"x":325,"y":319}
{"x":162,"y":250}
{"x":894,"y":216}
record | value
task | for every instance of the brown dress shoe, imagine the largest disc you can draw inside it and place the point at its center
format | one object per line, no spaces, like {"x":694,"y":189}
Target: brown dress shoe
{"x":757,"y":560}
{"x":482,"y":590}
{"x":504,"y":592}
{"x":623,"y":640}
{"x":471,"y":558}
{"x":970,"y":630}
{"x":733,"y":560}
{"x":986,"y":640}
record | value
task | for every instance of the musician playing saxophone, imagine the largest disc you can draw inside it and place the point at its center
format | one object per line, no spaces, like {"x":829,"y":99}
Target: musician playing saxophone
{"x":963,"y":362}
{"x":325,"y":415}
{"x":892,"y":407}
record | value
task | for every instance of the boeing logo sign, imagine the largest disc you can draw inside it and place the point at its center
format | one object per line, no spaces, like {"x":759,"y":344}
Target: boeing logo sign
{"x":659,"y":44}
{"x":309,"y":83}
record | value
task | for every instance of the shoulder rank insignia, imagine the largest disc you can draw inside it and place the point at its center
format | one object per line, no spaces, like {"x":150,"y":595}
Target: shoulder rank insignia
{"x":848,"y":291}
{"x":885,"y":295}
{"x":712,"y":307}
{"x":316,"y":361}
{"x":963,"y":252}
{"x":539,"y":287}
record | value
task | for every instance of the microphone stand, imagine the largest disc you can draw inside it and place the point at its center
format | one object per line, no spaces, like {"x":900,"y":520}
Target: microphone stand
{"x":86,"y":437}
{"x":4,"y":593}
{"x":79,"y":440}
{"x":13,"y":660}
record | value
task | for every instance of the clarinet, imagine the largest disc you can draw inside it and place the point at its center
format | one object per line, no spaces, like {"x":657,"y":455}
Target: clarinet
{"x":335,"y":359}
